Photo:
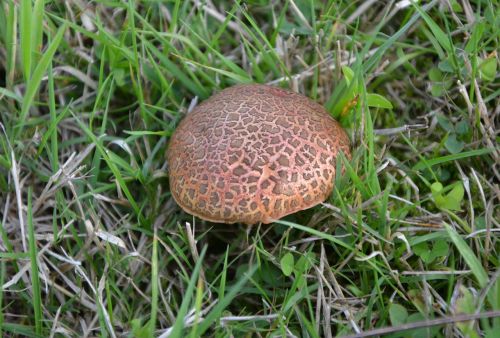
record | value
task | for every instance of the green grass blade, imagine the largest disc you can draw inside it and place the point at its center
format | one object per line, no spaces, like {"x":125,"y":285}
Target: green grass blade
{"x":112,"y":165}
{"x":469,"y":257}
{"x":37,"y":30}
{"x":7,"y":93}
{"x":14,"y":255}
{"x":373,"y":61}
{"x":222,"y":285}
{"x":178,"y":328}
{"x":315,"y":233}
{"x":2,"y":280}
{"x":54,"y":121}
{"x":441,"y":36}
{"x":175,"y":71}
{"x":198,"y":302}
{"x":19,"y":330}
{"x":25,"y":21}
{"x":35,"y":280}
{"x":223,"y":303}
{"x":427,"y":163}
{"x":36,"y":79}
{"x":10,"y":39}
{"x":238,"y":78}
{"x":154,"y":286}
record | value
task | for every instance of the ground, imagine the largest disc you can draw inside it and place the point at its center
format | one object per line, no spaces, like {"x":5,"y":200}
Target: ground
{"x":93,"y":244}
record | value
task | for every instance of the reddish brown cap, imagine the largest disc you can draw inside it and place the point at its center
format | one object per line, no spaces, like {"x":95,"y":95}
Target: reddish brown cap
{"x":254,"y":153}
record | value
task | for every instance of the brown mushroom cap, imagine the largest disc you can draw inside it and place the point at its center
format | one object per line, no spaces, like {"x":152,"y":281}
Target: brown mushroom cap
{"x":254,"y":153}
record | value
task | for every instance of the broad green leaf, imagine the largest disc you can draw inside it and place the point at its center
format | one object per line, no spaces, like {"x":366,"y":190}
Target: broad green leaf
{"x":436,"y":188}
{"x":428,"y":253}
{"x":435,"y":75}
{"x":491,"y":332}
{"x":446,"y":66}
{"x":398,"y":314}
{"x":445,"y":123}
{"x":287,"y":264}
{"x":465,"y":303}
{"x":439,"y":83}
{"x":488,"y":68}
{"x":462,"y":127}
{"x":457,"y":193}
{"x":453,"y":145}
{"x":451,"y":200}
{"x":417,"y":299}
{"x":437,"y":89}
{"x":348,"y":74}
{"x":378,"y":101}
{"x":303,"y":263}
{"x":443,"y":203}
{"x":440,"y":249}
{"x":119,"y":76}
{"x":455,"y":6}
{"x":480,"y":222}
{"x":422,"y":250}
{"x":422,"y":332}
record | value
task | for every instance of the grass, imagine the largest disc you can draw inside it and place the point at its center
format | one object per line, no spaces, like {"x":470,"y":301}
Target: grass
{"x":92,"y":243}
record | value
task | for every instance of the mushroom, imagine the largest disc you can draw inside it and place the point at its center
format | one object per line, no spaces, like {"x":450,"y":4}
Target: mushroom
{"x":254,"y":153}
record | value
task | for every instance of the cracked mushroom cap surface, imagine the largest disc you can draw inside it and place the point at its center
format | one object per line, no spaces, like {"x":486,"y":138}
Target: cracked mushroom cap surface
{"x":254,"y":153}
